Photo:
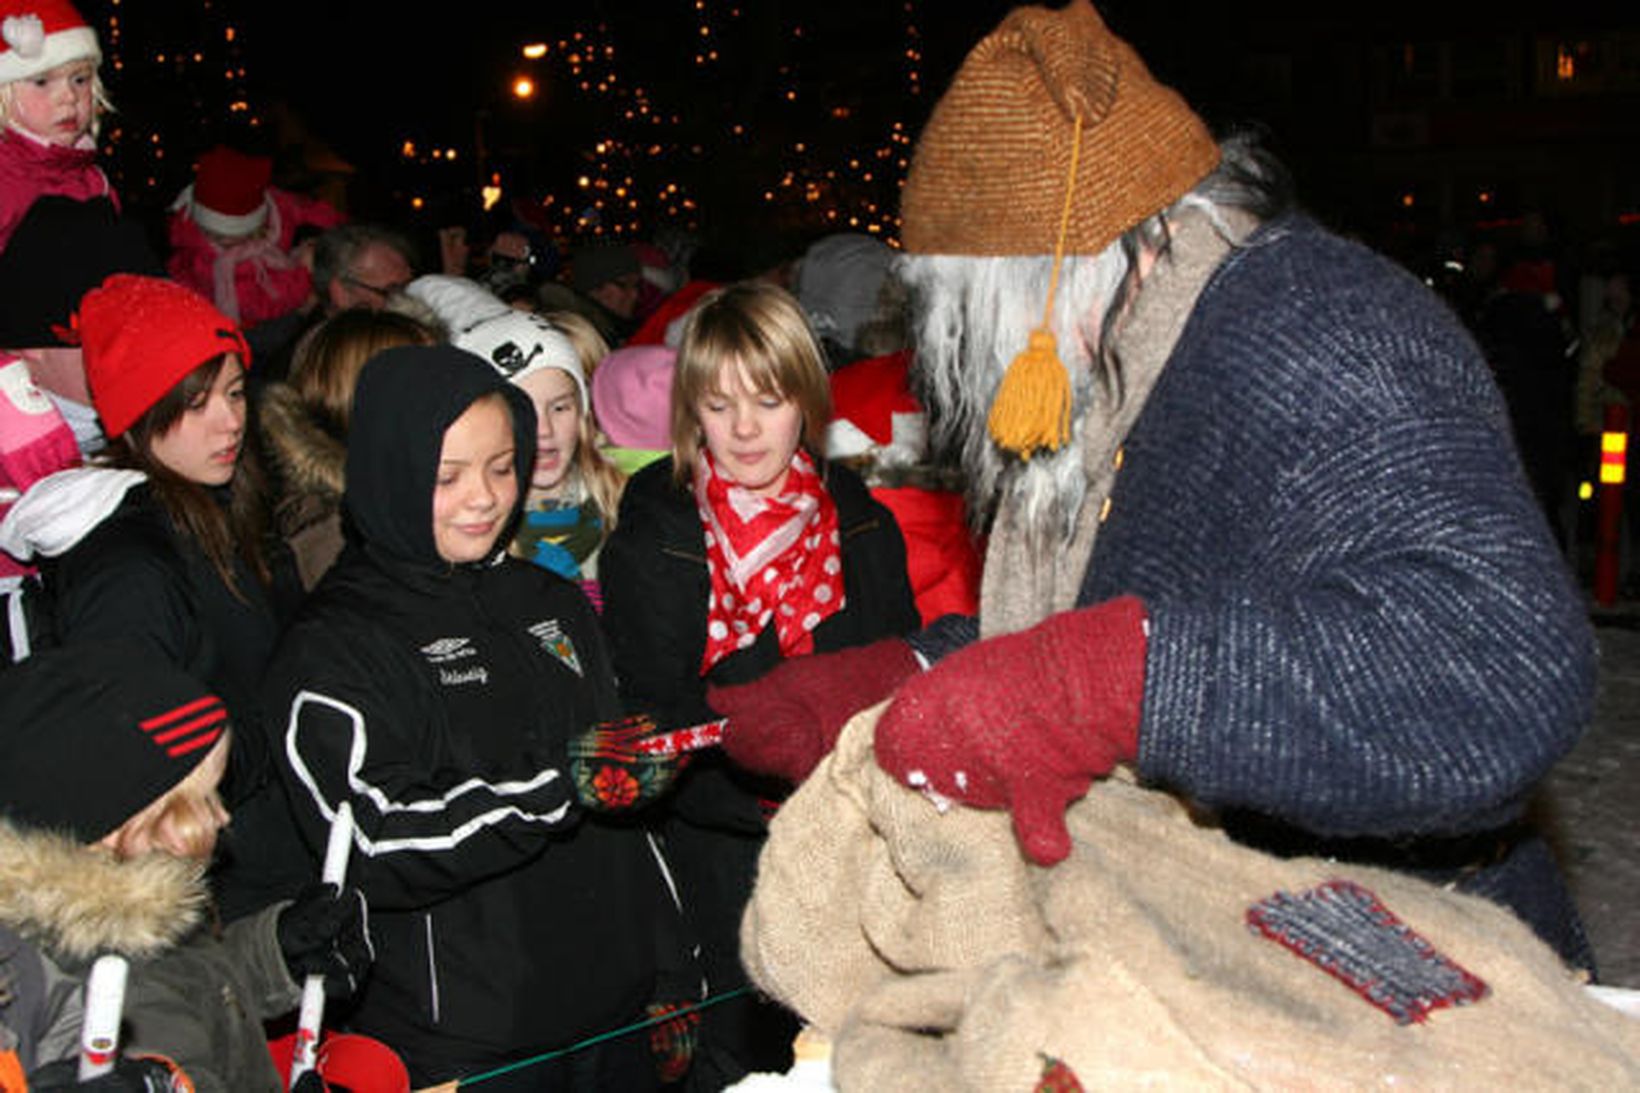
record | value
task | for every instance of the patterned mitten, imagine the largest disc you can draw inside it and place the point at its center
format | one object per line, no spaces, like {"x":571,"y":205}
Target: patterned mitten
{"x":785,"y":723}
{"x":1024,"y":721}
{"x":612,"y":771}
{"x":672,"y":1041}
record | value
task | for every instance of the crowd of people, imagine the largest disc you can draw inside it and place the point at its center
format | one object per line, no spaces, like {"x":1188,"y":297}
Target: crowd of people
{"x":481,"y":548}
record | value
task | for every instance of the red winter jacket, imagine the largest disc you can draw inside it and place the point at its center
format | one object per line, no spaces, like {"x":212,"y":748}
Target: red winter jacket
{"x":255,"y":279}
{"x":31,"y":168}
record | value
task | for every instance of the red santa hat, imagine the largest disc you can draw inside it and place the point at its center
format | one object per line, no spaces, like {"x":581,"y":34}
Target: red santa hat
{"x":38,"y":35}
{"x":867,"y":395}
{"x":230,"y":192}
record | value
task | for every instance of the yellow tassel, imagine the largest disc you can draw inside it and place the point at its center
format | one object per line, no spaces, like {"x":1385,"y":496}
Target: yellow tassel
{"x":1032,"y":408}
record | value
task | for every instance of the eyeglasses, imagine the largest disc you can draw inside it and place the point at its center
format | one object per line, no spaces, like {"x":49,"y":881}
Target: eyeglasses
{"x":382,"y":292}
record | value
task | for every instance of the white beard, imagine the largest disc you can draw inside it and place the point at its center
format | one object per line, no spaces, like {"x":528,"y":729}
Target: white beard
{"x":970,"y":318}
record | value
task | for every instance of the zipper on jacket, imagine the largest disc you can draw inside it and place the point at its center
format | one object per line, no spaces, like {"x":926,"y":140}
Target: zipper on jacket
{"x":432,"y":968}
{"x":685,"y":555}
{"x":870,"y":524}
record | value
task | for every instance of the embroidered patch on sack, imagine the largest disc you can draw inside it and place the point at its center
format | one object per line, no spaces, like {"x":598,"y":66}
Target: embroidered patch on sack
{"x":1347,"y":932}
{"x":555,"y":641}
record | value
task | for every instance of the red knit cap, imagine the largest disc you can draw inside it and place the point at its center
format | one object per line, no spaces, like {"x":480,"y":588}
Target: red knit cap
{"x":142,"y":335}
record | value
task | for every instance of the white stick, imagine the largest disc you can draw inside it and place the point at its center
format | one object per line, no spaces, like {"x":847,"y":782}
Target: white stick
{"x":312,"y":1014}
{"x":104,"y":1006}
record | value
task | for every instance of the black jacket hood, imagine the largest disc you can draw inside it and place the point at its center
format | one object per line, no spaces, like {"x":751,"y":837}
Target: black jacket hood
{"x":406,"y":398}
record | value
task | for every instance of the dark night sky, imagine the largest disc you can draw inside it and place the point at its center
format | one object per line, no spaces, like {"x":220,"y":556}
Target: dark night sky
{"x":365,"y":75}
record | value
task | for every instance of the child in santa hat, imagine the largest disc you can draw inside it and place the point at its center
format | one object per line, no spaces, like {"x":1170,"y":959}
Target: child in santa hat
{"x":233,"y":238}
{"x":51,"y":102}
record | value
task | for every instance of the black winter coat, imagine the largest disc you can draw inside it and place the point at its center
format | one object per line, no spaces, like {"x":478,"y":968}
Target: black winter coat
{"x":135,"y":575}
{"x":655,"y":584}
{"x":437,"y":699}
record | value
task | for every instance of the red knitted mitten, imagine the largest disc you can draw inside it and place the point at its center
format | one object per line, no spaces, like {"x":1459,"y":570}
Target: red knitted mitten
{"x":1025,"y":721}
{"x":785,"y":723}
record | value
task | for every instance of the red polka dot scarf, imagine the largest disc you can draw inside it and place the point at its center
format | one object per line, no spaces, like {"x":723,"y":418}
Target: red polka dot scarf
{"x":772,"y":559}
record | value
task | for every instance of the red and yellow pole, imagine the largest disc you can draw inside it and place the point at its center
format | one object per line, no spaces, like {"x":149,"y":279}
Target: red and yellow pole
{"x":1614,"y":454}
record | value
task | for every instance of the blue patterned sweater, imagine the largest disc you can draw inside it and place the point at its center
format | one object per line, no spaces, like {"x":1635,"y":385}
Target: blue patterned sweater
{"x":1360,"y":625}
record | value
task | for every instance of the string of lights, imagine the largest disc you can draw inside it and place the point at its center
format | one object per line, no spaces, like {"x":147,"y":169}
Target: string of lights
{"x":810,"y":139}
{"x":199,"y":74}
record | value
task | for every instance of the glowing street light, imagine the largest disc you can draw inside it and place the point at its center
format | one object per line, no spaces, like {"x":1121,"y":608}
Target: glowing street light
{"x":523,"y":88}
{"x":535,"y":51}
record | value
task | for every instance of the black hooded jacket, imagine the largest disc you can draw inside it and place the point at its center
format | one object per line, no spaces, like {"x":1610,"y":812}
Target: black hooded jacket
{"x":437,"y":699}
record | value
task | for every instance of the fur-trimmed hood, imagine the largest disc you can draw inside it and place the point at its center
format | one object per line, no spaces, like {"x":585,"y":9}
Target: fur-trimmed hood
{"x":76,"y":903}
{"x":306,"y":457}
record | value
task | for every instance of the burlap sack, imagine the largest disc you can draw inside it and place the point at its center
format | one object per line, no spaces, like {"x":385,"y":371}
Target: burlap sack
{"x":932,"y":953}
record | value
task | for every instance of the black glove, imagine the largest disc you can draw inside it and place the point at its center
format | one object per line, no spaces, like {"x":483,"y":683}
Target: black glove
{"x":326,"y":931}
{"x":310,"y":1082}
{"x":131,"y":1074}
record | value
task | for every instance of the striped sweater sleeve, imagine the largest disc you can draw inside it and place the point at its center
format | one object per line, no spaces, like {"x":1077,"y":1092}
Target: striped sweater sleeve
{"x":423,"y":831}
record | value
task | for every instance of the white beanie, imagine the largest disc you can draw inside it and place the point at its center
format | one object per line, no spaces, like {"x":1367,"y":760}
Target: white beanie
{"x":515,"y":343}
{"x":521,"y":343}
{"x":459,"y":303}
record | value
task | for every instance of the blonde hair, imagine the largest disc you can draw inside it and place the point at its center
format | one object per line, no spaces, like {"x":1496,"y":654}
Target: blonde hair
{"x":599,"y":480}
{"x":184,"y":821}
{"x":100,"y":102}
{"x":761,"y":329}
{"x":590,"y":346}
{"x":325,"y":370}
{"x":592,"y":477}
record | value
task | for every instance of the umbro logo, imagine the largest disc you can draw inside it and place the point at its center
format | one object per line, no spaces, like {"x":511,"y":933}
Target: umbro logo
{"x":445,"y":650}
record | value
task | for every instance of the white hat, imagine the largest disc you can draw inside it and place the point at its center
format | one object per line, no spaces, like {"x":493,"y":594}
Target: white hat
{"x":458,"y":302}
{"x":521,"y":343}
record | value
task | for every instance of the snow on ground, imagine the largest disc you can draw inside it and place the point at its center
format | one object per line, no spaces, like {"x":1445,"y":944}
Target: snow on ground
{"x":1592,"y":805}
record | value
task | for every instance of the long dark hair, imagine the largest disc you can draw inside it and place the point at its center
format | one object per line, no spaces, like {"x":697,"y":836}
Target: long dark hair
{"x":224,"y":533}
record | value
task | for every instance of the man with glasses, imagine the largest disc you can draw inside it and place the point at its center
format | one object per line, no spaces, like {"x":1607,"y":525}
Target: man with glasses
{"x":354,"y":265}
{"x":359,"y":265}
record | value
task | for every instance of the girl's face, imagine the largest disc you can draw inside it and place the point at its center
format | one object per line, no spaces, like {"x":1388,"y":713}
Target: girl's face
{"x":557,"y":402}
{"x":477,"y":483}
{"x":751,"y":434}
{"x":203,"y":444}
{"x":56,"y":105}
{"x":184,"y":822}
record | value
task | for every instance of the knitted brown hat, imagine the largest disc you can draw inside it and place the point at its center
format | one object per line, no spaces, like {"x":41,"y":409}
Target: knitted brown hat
{"x":990,"y":170}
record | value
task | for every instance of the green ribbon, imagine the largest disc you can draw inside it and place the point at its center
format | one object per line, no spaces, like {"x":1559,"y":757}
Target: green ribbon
{"x":602,"y":1037}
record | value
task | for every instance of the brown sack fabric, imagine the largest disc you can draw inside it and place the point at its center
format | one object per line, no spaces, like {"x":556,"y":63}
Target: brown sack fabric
{"x":932,"y":953}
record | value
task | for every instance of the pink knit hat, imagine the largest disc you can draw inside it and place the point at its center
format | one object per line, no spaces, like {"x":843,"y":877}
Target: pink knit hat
{"x":632,"y":396}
